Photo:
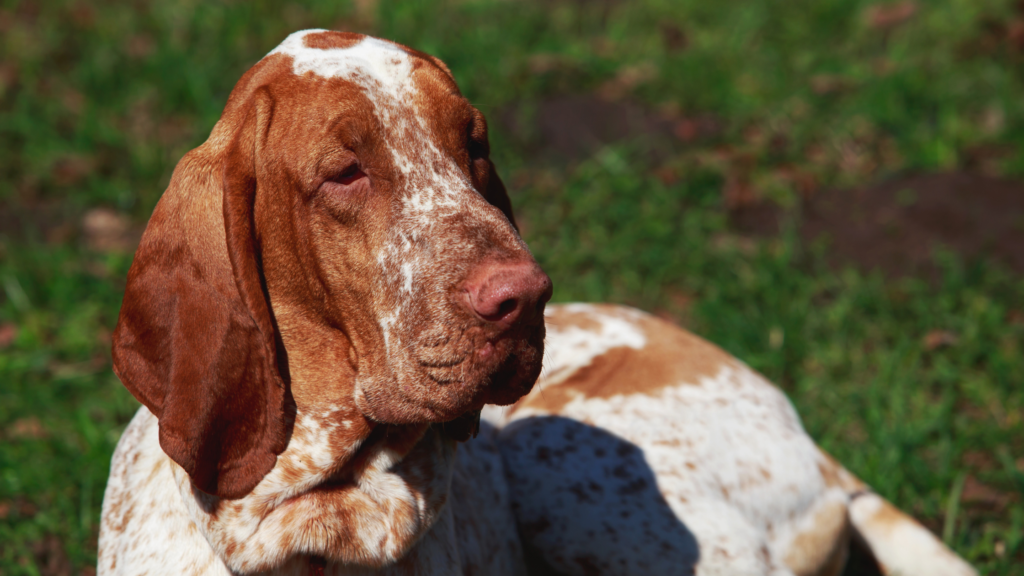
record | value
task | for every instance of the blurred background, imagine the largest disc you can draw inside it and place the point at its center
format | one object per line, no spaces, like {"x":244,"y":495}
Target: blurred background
{"x":829,"y":189}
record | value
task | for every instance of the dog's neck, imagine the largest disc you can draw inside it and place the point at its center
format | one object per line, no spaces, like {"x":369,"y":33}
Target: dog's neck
{"x":366,"y":509}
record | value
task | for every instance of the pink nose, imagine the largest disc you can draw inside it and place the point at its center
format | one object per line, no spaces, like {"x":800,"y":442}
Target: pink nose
{"x":506,"y":292}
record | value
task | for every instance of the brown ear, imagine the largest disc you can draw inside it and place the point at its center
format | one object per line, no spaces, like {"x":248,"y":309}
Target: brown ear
{"x":195,"y":341}
{"x":497,"y":196}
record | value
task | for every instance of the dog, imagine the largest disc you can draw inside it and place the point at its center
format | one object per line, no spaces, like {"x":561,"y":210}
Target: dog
{"x":326,"y":297}
{"x":328,"y":292}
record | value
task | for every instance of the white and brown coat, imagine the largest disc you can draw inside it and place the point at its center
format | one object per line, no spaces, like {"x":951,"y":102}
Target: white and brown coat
{"x":327,"y":294}
{"x":330,"y":291}
{"x":644,"y":449}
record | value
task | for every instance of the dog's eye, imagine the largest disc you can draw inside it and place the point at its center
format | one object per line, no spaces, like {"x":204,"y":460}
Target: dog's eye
{"x":350,"y":175}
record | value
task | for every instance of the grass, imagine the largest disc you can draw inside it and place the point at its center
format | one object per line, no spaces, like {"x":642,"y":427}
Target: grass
{"x":99,"y":100}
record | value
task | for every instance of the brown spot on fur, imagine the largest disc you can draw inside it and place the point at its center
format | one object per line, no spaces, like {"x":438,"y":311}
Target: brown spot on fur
{"x":835,"y":475}
{"x":889,"y":515}
{"x":822,"y":549}
{"x":332,"y":40}
{"x":560,"y":318}
{"x":671,"y":356}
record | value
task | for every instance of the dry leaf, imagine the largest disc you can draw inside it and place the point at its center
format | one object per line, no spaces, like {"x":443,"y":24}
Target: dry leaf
{"x":884,"y":16}
{"x":693,"y":128}
{"x":106,"y":231}
{"x":140,"y":46}
{"x":27,"y":428}
{"x":544,"y":63}
{"x":983,"y":495}
{"x":978,"y":460}
{"x":1015,"y":317}
{"x":667,"y":175}
{"x":1015,"y":34}
{"x":8,"y":332}
{"x":674,"y":38}
{"x":71,"y":169}
{"x":824,"y":84}
{"x":50,"y":556}
{"x":626,"y":79}
{"x":935,"y":339}
{"x":738,"y":191}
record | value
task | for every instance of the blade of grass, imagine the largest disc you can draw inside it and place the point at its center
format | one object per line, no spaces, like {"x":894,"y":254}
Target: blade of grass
{"x":953,"y":508}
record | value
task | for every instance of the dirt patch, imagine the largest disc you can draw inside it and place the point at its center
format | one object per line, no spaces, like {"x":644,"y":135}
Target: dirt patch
{"x":51,"y":559}
{"x":572,"y":127}
{"x":896,"y":226}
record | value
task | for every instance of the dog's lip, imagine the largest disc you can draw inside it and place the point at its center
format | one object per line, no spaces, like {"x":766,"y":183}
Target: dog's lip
{"x":493,"y":363}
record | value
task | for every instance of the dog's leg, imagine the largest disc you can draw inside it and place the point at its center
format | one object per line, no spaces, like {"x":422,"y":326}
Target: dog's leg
{"x":900,"y":545}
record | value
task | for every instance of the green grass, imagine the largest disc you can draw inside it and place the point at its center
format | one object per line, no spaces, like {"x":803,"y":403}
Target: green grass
{"x":99,"y":100}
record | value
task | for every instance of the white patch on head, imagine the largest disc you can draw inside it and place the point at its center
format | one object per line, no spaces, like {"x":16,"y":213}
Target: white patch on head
{"x":370,"y":59}
{"x":384,"y":71}
{"x":569,"y":348}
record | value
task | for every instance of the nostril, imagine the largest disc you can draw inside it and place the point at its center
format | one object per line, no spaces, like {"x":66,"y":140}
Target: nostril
{"x":502,"y":311}
{"x":506,"y":307}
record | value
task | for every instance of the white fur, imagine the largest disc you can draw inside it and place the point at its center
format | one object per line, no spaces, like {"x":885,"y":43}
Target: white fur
{"x":570,"y":348}
{"x":903,"y":547}
{"x":145,"y":527}
{"x":738,"y":480}
{"x":709,"y":444}
{"x":164,"y":529}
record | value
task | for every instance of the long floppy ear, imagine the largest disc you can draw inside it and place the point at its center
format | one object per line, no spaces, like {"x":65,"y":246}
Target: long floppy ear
{"x":195,"y":341}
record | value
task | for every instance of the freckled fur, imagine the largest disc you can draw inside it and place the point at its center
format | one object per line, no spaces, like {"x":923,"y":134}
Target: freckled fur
{"x":644,"y":449}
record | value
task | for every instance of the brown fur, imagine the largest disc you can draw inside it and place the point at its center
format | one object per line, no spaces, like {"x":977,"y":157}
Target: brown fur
{"x":628,"y":371}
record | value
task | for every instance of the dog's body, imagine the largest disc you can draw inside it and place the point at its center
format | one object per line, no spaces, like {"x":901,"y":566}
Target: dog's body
{"x":327,"y":295}
{"x":646,"y":450}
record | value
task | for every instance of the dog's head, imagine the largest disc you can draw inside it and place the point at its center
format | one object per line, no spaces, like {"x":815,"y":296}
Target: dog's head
{"x":340,"y":250}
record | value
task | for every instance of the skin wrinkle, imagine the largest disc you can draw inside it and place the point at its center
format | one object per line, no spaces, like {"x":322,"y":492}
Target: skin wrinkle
{"x":357,"y":283}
